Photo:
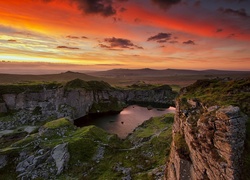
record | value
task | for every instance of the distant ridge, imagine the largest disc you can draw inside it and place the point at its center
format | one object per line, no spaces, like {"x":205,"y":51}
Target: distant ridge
{"x":124,"y":77}
{"x":147,"y":72}
{"x":61,"y":77}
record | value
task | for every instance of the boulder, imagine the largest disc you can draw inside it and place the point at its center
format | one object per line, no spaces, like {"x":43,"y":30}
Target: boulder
{"x":61,"y":156}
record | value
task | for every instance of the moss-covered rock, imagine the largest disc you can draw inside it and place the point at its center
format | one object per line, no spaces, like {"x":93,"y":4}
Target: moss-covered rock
{"x":220,"y":92}
{"x":93,"y":153}
{"x":88,"y":85}
{"x":108,"y":106}
{"x":27,"y":87}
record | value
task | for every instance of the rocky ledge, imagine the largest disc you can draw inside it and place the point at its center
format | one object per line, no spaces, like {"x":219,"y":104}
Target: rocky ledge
{"x":211,"y":131}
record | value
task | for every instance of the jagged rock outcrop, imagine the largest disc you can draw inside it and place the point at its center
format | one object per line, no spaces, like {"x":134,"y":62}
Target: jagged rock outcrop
{"x":208,"y":141}
{"x":28,"y":107}
{"x":43,"y":163}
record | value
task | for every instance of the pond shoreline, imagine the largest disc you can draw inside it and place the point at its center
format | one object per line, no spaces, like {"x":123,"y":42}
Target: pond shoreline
{"x":122,"y":123}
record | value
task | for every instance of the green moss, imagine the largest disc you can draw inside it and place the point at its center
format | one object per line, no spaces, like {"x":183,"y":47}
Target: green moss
{"x":220,"y":92}
{"x":88,"y":85}
{"x":8,"y":139}
{"x":27,"y":87}
{"x":83,"y":144}
{"x":8,"y":172}
{"x":77,"y":83}
{"x":25,"y":141}
{"x":82,"y":149}
{"x":151,"y":127}
{"x":150,"y":154}
{"x":181,"y":146}
{"x":99,"y":85}
{"x":110,"y":106}
{"x":176,"y":88}
{"x":143,"y":86}
{"x":58,"y":123}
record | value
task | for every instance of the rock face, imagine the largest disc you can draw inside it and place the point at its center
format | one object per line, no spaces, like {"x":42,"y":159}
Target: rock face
{"x":43,"y":163}
{"x":208,"y":142}
{"x":61,"y":156}
{"x":44,"y":104}
{"x":3,"y":161}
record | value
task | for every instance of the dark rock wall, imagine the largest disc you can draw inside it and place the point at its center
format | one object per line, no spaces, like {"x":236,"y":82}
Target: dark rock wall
{"x":28,"y":108}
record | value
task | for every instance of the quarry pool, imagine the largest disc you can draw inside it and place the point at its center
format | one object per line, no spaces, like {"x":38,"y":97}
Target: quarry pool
{"x":126,"y":121}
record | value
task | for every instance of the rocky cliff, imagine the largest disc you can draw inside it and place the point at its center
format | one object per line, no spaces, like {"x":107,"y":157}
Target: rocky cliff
{"x":211,"y":131}
{"x":29,"y":104}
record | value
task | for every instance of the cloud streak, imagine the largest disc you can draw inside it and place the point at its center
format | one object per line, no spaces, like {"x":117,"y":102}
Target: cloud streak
{"x":160,"y":38}
{"x":119,"y":43}
{"x":67,"y":47}
{"x":240,"y":12}
{"x":101,"y":7}
{"x":76,"y":37}
{"x":165,"y":4}
{"x":189,"y":42}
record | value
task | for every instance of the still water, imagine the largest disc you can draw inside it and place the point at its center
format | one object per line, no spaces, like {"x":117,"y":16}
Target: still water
{"x":126,"y":121}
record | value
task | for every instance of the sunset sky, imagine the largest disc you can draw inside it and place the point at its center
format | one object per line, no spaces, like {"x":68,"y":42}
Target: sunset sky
{"x":39,"y":36}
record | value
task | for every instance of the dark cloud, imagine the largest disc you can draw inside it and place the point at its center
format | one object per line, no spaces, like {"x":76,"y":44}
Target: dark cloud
{"x":102,"y":7}
{"x":165,"y":4}
{"x":160,"y":38}
{"x":189,"y":42}
{"x":72,"y":37}
{"x":108,"y":8}
{"x":66,"y":47}
{"x":12,"y":40}
{"x":219,"y":30}
{"x":104,"y":46}
{"x":119,"y":43}
{"x":240,"y":12}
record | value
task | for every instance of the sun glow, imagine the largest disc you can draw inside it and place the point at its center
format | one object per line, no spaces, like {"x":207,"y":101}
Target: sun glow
{"x":63,"y":32}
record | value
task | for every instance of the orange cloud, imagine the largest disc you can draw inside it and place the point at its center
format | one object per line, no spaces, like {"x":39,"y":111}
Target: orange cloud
{"x":50,"y":32}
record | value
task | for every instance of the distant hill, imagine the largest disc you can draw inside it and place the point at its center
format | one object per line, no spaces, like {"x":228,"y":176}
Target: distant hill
{"x":62,"y":77}
{"x":160,"y":73}
{"x":124,"y":77}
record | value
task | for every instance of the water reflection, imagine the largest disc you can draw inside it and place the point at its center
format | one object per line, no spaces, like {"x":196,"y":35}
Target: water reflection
{"x":126,"y":121}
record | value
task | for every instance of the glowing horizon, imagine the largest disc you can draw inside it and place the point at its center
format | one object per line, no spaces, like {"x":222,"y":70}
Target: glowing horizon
{"x":101,"y":34}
